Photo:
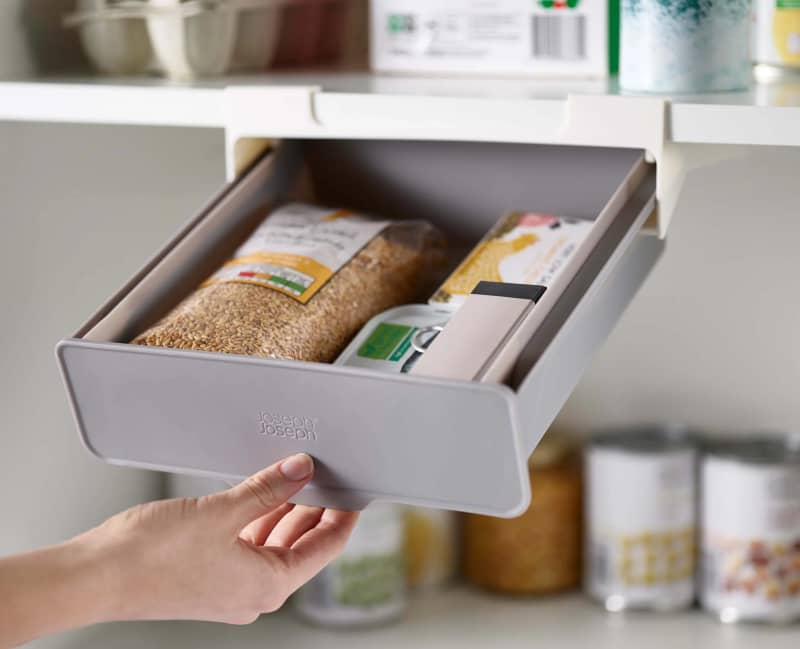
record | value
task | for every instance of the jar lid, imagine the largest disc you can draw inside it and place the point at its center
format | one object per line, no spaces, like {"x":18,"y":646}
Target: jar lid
{"x":763,"y":448}
{"x":648,"y":439}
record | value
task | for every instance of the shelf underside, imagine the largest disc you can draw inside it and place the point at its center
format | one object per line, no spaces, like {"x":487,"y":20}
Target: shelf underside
{"x":766,"y":114}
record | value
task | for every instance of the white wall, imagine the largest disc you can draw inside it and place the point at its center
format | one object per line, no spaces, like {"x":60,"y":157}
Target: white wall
{"x":713,"y":337}
{"x":81,"y":208}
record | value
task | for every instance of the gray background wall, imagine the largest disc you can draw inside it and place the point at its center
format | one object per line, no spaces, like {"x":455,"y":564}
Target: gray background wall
{"x":82,"y":208}
{"x":713,"y":338}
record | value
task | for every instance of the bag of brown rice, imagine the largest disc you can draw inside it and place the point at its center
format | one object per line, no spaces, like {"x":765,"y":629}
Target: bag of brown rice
{"x":302,"y":285}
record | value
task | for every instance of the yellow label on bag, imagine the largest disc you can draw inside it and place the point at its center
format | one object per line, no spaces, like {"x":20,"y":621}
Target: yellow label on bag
{"x":298,"y":248}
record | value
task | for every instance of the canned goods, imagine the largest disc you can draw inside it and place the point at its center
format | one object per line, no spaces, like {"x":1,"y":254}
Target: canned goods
{"x":751,"y":529}
{"x":640,"y":494}
{"x":776,"y":37}
{"x":366,"y":584}
{"x":394,"y":340}
{"x":684,"y":46}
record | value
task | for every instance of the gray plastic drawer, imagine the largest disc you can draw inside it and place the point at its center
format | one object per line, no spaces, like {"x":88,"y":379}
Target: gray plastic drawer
{"x":443,"y":443}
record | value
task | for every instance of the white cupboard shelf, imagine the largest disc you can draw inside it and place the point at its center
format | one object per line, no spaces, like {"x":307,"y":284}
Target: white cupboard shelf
{"x":767,"y":114}
{"x":340,"y":105}
{"x":96,"y":101}
{"x":460,"y":619}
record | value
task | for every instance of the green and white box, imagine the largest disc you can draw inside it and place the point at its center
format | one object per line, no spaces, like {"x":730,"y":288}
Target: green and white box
{"x":541,"y":38}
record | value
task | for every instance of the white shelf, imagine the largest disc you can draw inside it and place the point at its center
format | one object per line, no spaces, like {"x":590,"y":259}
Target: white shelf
{"x":254,"y":109}
{"x":525,"y":109}
{"x":460,"y":619}
{"x":145,"y":102}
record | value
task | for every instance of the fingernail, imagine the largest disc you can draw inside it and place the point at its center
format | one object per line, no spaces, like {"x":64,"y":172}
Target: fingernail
{"x":297,"y":467}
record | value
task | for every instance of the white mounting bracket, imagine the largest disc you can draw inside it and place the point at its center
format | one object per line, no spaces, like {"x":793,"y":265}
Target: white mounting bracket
{"x":258,"y":115}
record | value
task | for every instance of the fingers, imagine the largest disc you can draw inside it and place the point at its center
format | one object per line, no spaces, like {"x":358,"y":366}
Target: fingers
{"x":292,"y":526}
{"x":264,"y":491}
{"x":283,"y":526}
{"x":257,"y":531}
{"x":318,"y":546}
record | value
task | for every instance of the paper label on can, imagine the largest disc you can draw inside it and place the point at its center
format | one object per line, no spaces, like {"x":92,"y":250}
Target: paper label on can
{"x":388,"y":341}
{"x":523,"y":248}
{"x":641,"y":526}
{"x":298,"y":248}
{"x":751,"y":539}
{"x":393,"y":341}
{"x":368,"y":578}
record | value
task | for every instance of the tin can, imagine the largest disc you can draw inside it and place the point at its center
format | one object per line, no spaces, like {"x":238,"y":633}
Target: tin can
{"x":365,"y":585}
{"x":394,"y":340}
{"x":640,"y":517}
{"x":776,"y":38}
{"x":684,"y":46}
{"x":750,"y":541}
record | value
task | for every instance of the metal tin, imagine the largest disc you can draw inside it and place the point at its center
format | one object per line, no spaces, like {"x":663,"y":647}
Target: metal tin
{"x":680,"y":46}
{"x":366,"y":584}
{"x":750,"y":541}
{"x":394,"y":340}
{"x":776,"y":38}
{"x":640,"y":517}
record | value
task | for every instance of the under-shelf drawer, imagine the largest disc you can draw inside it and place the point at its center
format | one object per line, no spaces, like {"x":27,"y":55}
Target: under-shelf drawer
{"x":444,"y":443}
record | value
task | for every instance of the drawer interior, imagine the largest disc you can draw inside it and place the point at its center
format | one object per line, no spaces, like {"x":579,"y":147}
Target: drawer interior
{"x":462,"y":188}
{"x":465,"y":187}
{"x":376,"y":436}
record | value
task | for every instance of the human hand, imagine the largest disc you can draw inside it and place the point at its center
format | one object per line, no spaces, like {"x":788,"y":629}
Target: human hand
{"x":227,"y":557}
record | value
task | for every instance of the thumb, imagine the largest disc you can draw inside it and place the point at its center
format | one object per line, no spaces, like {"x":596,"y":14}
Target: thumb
{"x":264,"y":491}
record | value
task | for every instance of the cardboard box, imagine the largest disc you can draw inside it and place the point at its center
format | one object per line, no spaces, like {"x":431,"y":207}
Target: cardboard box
{"x":539,"y":38}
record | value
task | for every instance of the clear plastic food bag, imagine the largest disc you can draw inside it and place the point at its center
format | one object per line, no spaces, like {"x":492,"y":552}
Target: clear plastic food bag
{"x":303,"y":284}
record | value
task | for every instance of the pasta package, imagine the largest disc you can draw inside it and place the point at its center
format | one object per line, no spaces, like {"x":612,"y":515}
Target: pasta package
{"x":521,"y":248}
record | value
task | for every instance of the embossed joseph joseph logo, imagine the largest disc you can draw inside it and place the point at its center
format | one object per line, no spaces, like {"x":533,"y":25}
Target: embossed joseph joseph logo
{"x":274,"y":424}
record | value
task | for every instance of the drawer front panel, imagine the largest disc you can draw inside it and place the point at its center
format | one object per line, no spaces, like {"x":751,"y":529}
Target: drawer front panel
{"x":429,"y":442}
